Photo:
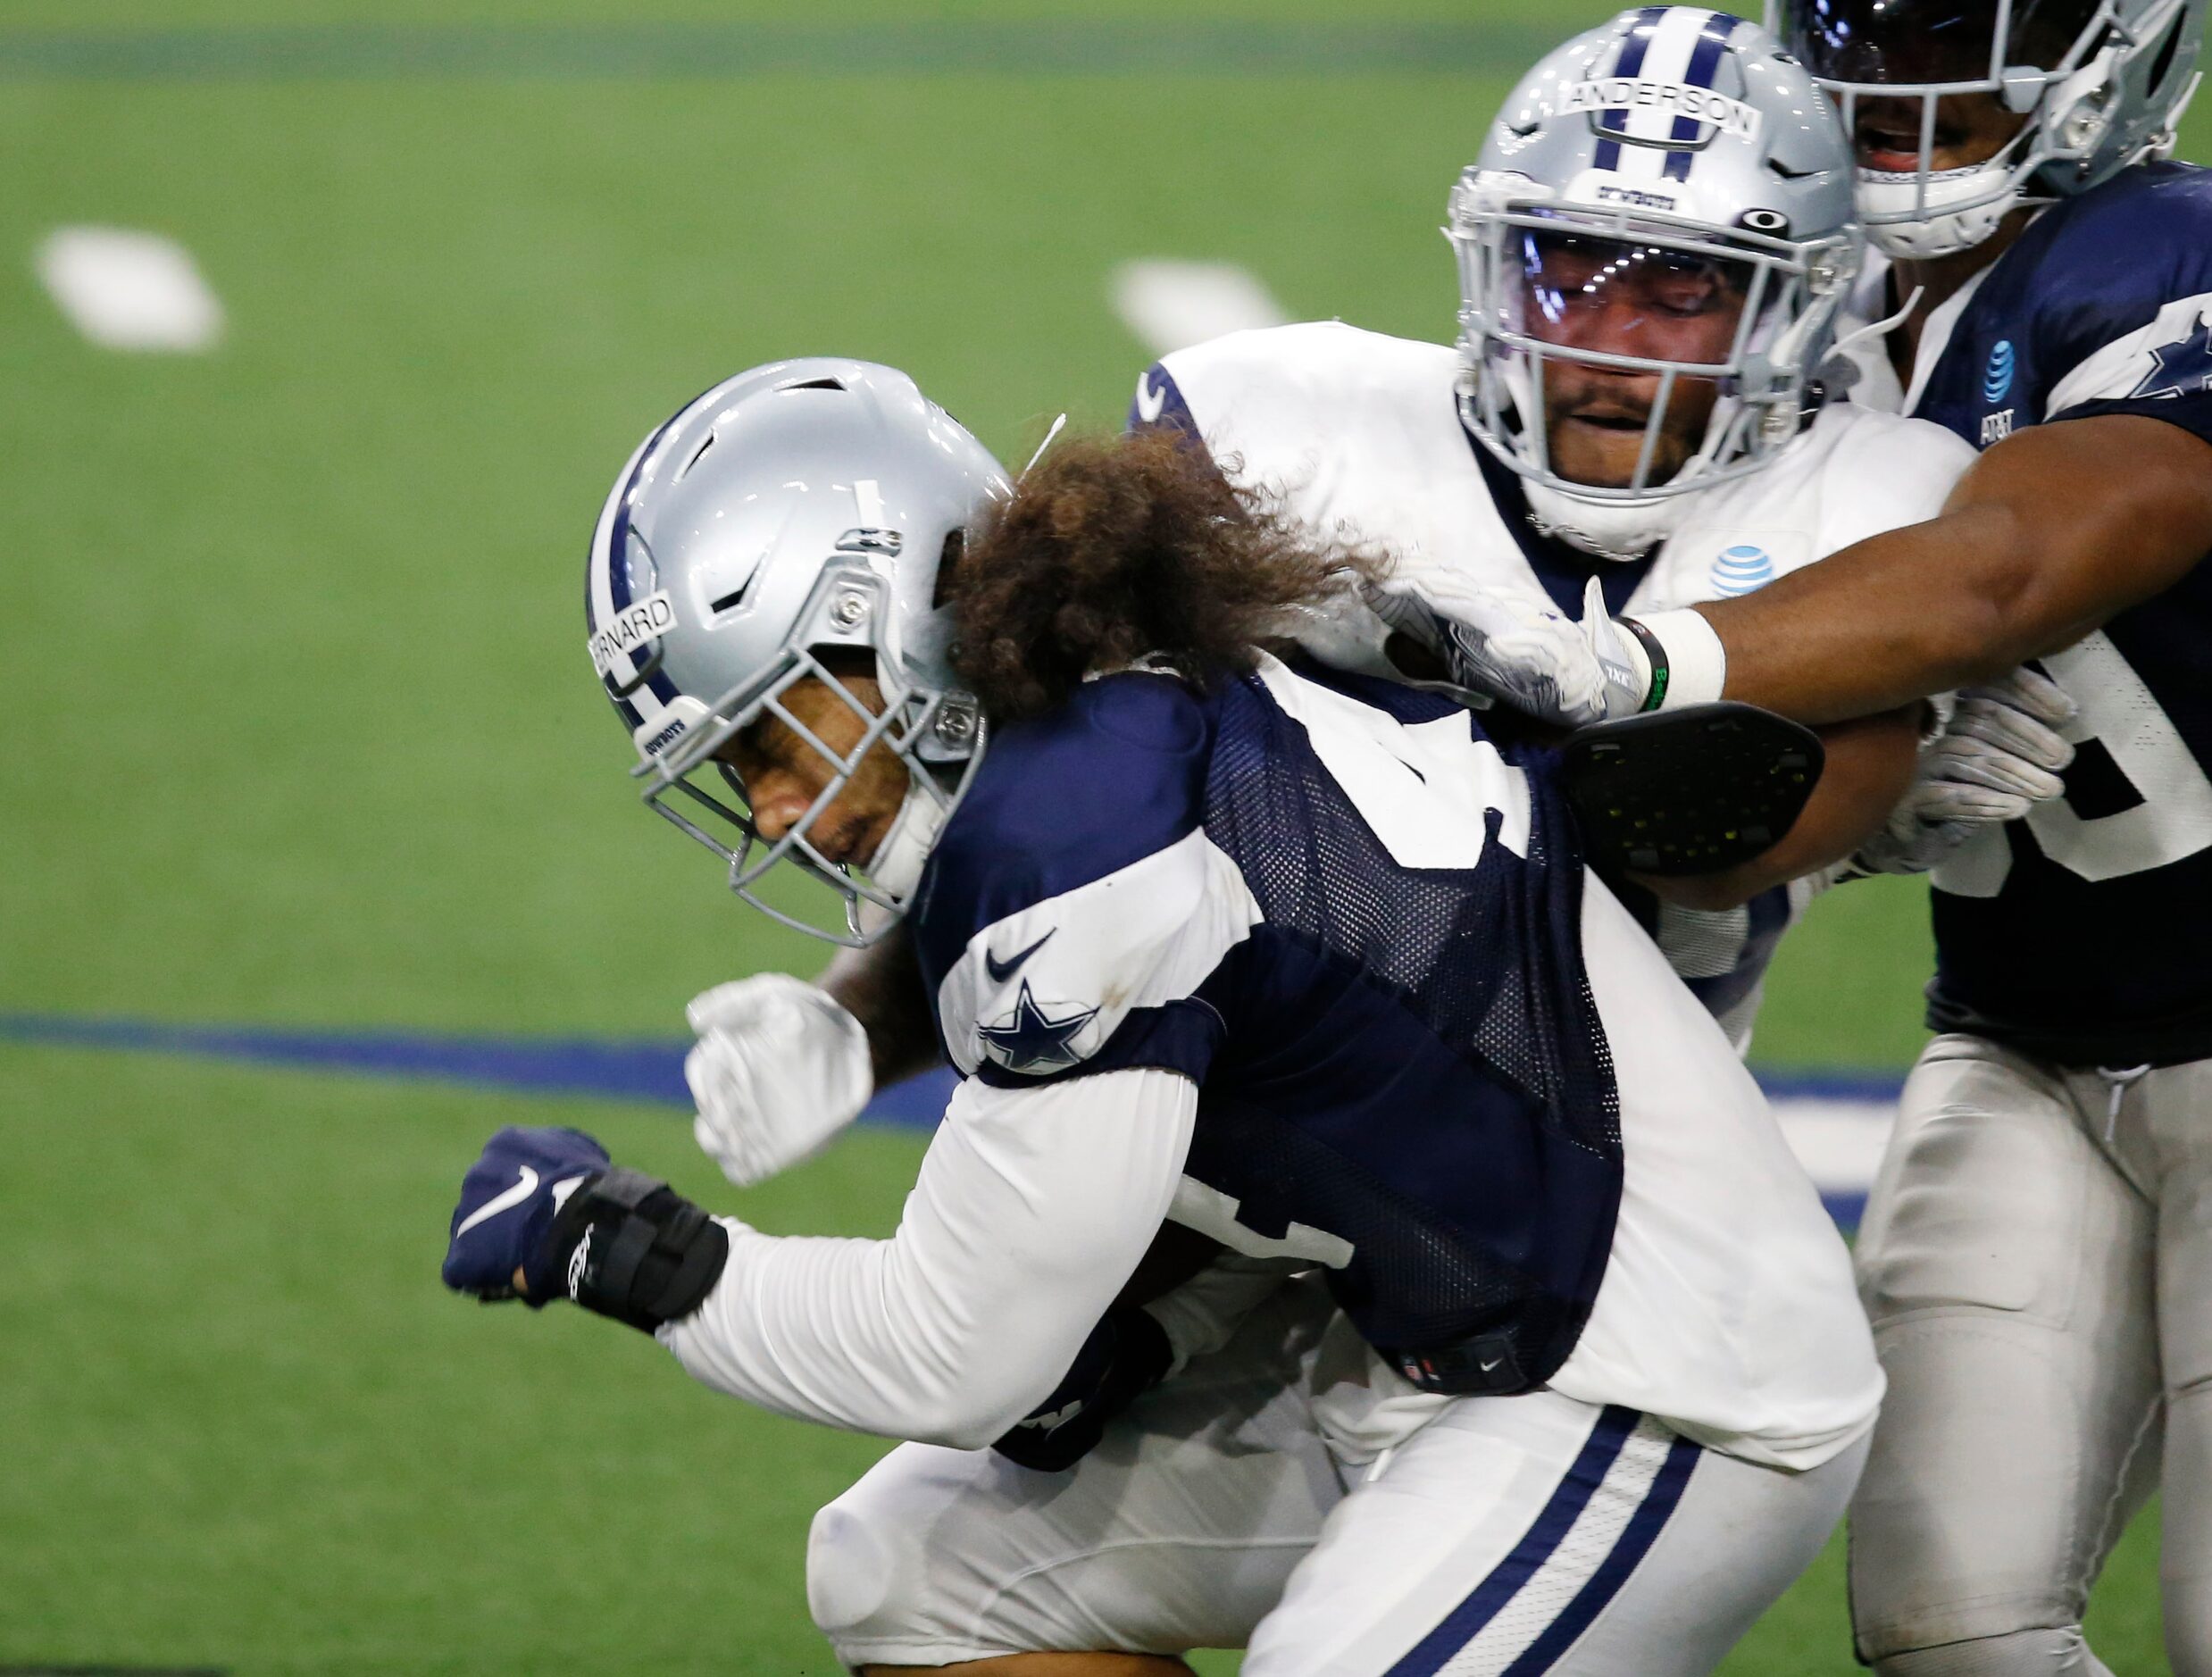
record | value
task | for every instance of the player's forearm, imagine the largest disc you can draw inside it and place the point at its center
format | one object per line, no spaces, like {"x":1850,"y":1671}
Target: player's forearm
{"x":881,"y":986}
{"x":1870,"y":764}
{"x":2050,"y":533}
{"x":1031,"y":1209}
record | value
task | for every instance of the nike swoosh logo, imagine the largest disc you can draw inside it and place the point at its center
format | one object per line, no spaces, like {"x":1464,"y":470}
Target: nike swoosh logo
{"x":1001,"y":970}
{"x":498,"y":1203}
{"x":1150,"y":402}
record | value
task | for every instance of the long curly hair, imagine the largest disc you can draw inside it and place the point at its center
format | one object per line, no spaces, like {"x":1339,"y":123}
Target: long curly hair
{"x":1113,"y":550}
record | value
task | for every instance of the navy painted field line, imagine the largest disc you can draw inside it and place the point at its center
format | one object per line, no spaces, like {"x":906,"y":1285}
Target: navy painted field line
{"x":738,"y":47}
{"x":641,"y":1069}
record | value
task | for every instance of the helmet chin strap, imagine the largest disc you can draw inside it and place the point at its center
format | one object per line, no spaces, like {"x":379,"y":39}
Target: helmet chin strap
{"x":1941,"y":231}
{"x":896,"y":867}
{"x":1618,"y":530}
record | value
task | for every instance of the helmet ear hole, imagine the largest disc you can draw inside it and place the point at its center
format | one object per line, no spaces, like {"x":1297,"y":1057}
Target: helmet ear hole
{"x":2163,"y":64}
{"x":948,"y":568}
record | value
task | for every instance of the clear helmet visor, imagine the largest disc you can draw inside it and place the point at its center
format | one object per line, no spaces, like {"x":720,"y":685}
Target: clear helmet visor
{"x":1612,"y":359}
{"x":1584,"y":291}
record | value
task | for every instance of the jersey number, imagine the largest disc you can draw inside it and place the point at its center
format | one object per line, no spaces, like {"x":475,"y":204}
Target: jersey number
{"x":2173,"y":821}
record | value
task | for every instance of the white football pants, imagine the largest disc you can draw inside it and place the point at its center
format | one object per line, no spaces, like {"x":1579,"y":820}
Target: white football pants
{"x":1519,"y":1535}
{"x":2036,"y":1259}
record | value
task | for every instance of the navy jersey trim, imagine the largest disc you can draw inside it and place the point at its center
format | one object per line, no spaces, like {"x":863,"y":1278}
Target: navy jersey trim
{"x":1180,"y":1036}
{"x":2191,"y":412}
{"x":1394,"y":699}
{"x":1114,"y":775}
{"x":1158,"y":390}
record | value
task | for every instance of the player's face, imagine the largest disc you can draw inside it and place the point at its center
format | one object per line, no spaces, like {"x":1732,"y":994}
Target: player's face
{"x":1621,"y":298}
{"x":782,"y":774}
{"x":1970,"y":128}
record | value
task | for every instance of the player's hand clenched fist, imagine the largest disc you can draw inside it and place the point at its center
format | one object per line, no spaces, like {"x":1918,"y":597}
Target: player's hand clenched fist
{"x":2001,"y":752}
{"x":778,"y":1068}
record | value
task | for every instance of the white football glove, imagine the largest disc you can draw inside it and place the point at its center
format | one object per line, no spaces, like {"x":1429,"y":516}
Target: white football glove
{"x":1998,"y":756}
{"x":1513,"y":643}
{"x":778,"y":1068}
{"x":1516,"y":645}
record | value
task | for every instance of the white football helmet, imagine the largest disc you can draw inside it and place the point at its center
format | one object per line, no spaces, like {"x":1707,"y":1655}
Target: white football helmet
{"x":799,"y":509}
{"x":1673,"y":157}
{"x":2101,"y":84}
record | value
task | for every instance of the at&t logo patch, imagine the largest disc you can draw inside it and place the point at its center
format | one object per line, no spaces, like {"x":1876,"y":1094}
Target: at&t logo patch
{"x":1741,"y":568}
{"x":1997,"y":376}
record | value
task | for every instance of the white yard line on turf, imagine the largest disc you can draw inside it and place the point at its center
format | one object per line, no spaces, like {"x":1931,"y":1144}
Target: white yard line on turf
{"x":126,"y":289}
{"x":1170,"y":306}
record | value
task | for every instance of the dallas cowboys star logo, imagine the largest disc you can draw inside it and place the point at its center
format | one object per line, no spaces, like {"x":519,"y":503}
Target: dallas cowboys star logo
{"x":1027,"y":1040}
{"x":2181,"y":368}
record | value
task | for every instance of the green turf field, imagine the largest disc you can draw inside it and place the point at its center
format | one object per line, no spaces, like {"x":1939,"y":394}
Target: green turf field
{"x":305,"y":734}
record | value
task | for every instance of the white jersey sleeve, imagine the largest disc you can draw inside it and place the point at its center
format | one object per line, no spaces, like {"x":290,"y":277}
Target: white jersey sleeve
{"x":1031,"y":1209}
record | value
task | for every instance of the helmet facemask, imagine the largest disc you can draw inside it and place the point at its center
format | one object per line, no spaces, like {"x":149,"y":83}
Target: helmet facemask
{"x":1551,"y":294}
{"x":2091,"y":81}
{"x":936,"y":735}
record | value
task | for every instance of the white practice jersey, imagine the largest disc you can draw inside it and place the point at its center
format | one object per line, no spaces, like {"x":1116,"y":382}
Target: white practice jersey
{"x":1358,"y":437}
{"x":1307,"y":962}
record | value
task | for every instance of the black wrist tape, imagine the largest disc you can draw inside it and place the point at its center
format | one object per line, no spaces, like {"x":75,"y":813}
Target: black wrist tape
{"x":631,"y":1248}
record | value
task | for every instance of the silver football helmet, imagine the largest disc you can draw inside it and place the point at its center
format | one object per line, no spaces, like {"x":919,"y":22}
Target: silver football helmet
{"x":799,"y":510}
{"x":1677,"y":162}
{"x":2101,"y":84}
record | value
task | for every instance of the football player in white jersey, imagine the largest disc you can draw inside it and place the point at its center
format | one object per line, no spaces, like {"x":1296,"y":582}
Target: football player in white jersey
{"x":1658,"y":280}
{"x":1661,"y":279}
{"x":1297,"y":960}
{"x":2035,"y":1245}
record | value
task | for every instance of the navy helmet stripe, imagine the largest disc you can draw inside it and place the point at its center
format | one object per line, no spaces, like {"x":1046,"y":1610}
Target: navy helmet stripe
{"x":618,"y":572}
{"x":1505,"y":1580}
{"x":1630,"y":62}
{"x":1635,"y":1542}
{"x":1705,"y":59}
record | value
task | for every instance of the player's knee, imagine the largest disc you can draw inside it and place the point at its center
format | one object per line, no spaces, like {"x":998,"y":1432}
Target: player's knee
{"x":2060,"y":1653}
{"x":850,"y":1571}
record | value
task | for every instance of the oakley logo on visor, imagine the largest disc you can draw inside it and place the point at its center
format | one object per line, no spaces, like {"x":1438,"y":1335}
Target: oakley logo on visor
{"x":1626,"y":94}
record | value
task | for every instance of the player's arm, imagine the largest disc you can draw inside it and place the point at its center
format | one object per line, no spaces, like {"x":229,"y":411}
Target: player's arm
{"x":2049,"y":534}
{"x":781,"y":1066}
{"x":1870,"y":765}
{"x":881,"y":986}
{"x":1033,"y":1207}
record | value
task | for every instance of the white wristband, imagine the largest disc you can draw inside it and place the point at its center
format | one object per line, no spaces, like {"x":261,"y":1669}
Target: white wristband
{"x":1697,"y":663}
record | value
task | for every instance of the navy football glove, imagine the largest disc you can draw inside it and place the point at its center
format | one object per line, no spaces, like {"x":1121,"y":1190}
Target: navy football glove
{"x":551,"y":1204}
{"x":1125,"y":1356}
{"x":508,"y":1202}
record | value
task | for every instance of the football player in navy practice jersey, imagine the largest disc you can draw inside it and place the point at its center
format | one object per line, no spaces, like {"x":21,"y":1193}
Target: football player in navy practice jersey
{"x":1527,"y":1344}
{"x":2036,"y":1247}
